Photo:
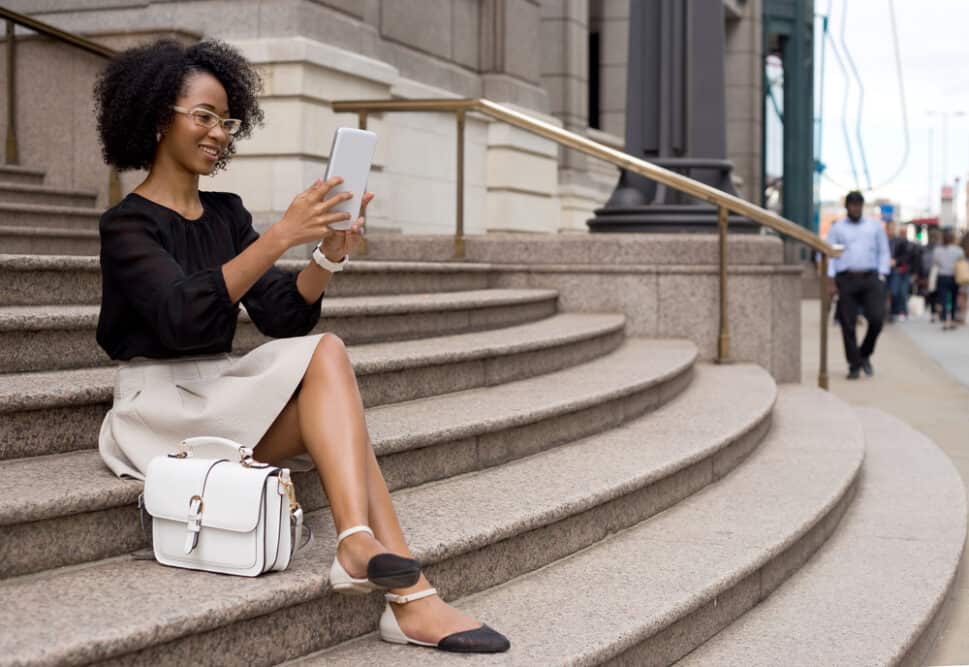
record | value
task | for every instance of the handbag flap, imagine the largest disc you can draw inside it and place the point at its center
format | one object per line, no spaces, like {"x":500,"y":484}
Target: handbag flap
{"x":231,"y":493}
{"x":234,"y":496}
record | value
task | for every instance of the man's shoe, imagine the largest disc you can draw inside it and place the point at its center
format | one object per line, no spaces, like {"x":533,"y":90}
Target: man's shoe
{"x":853,"y":374}
{"x":866,"y":366}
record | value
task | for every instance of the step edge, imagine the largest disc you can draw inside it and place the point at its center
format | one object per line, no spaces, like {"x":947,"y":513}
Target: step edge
{"x":94,"y":394}
{"x":124,"y":494}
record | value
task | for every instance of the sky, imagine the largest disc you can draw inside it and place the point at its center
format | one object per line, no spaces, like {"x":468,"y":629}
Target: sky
{"x":934,"y":47}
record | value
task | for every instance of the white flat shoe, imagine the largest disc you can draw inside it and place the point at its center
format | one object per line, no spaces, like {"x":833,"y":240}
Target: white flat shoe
{"x":383,"y":570}
{"x":478,"y":640}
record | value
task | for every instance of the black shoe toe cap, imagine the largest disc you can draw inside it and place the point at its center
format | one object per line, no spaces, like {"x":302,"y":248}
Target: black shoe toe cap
{"x":479,"y":640}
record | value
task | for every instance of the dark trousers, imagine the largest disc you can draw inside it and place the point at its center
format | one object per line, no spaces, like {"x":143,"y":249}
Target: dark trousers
{"x":900,"y":286}
{"x":948,"y":296}
{"x":860,"y":291}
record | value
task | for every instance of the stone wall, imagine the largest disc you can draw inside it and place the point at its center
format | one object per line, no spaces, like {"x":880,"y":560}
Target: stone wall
{"x":666,"y":284}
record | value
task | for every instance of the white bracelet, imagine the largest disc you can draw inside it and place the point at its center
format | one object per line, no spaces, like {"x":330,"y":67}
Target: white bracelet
{"x":323,"y":262}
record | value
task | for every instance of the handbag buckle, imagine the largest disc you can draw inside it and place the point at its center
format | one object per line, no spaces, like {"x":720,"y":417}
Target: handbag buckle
{"x":193,"y":524}
{"x":245,"y":457}
{"x":290,"y":493}
{"x":182,"y":453}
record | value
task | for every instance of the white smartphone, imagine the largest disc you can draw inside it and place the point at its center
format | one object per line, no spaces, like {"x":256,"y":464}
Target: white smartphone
{"x":351,"y":155}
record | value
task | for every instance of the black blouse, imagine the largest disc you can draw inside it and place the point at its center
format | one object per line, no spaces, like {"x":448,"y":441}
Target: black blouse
{"x":162,"y":290}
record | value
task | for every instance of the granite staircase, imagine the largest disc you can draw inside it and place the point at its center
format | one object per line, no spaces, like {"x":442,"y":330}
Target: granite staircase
{"x":599,"y":498}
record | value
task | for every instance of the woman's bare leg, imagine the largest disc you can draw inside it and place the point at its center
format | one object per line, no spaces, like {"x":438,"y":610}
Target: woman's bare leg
{"x":326,"y":417}
{"x":429,"y":619}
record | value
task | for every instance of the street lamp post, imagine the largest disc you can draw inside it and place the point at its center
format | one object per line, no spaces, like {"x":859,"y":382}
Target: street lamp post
{"x":945,"y":138}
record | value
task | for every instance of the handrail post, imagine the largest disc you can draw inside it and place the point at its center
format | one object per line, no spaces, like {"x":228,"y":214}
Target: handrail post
{"x":362,"y":120}
{"x":459,"y":231}
{"x":723,"y":340}
{"x":10,"y":154}
{"x":825,"y":306}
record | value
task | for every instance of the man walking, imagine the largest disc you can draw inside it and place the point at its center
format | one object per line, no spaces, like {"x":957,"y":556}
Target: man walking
{"x":903,"y":262}
{"x":859,"y":279}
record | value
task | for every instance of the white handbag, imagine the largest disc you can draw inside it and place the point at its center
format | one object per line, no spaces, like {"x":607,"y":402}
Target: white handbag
{"x":221,"y":515}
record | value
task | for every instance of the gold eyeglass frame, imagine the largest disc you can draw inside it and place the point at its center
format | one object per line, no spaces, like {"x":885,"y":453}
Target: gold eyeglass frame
{"x":219,"y":119}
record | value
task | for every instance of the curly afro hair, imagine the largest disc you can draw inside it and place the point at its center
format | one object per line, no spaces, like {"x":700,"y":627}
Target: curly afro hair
{"x":135,"y":92}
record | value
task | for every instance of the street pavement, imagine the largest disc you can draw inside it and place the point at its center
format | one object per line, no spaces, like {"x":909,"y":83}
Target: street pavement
{"x":922,"y":377}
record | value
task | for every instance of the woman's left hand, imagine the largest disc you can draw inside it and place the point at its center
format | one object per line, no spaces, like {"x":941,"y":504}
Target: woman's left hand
{"x":338,"y":243}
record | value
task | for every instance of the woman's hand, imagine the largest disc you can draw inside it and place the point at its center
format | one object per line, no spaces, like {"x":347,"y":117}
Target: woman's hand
{"x":309,"y":217}
{"x":337,"y":243}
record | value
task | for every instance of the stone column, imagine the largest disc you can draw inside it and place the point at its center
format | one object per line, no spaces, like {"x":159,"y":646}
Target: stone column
{"x":675,"y":116}
{"x":744,"y":95}
{"x":565,"y":75}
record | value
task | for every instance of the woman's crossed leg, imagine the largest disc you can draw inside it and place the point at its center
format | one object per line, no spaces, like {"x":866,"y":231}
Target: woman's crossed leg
{"x":325,"y":418}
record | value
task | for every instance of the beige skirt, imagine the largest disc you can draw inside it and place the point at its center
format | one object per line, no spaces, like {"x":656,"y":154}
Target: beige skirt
{"x":160,"y":402}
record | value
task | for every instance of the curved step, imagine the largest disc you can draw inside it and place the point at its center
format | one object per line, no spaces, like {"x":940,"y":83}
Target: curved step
{"x":79,"y":511}
{"x":654,"y":592}
{"x":49,"y":279}
{"x":472,"y":532}
{"x":45,"y":195}
{"x":37,"y":241}
{"x":878,"y":584}
{"x":80,"y":218}
{"x":42,"y":338}
{"x":58,"y":411}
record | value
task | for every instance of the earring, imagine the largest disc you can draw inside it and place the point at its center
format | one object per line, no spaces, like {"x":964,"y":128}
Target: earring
{"x":158,"y":136}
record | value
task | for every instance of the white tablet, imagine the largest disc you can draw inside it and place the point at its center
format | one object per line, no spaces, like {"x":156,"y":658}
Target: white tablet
{"x":350,"y":157}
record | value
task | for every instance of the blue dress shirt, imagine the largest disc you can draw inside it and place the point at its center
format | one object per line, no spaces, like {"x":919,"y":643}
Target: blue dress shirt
{"x":865,"y":246}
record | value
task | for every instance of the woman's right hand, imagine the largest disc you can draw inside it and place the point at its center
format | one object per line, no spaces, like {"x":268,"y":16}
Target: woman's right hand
{"x":309,"y":216}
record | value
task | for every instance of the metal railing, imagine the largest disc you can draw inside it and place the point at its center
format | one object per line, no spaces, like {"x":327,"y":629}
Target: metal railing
{"x":14,"y":18}
{"x":725,"y":203}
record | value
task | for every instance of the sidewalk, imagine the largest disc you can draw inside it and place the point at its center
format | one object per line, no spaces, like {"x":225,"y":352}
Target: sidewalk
{"x":921,"y":377}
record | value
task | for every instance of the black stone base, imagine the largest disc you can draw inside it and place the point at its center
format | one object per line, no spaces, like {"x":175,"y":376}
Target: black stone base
{"x":666,"y":219}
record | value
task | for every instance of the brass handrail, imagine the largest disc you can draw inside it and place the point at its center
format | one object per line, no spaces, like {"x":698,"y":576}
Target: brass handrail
{"x":12,"y":17}
{"x":56,"y":33}
{"x":724,"y":202}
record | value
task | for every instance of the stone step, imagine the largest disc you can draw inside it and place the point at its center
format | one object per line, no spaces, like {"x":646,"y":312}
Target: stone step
{"x":12,"y":173}
{"x":79,"y":511}
{"x":650,"y":594}
{"x":878,"y":584}
{"x":30,"y":216}
{"x":31,"y":280}
{"x":472,"y":532}
{"x":45,"y":195}
{"x":40,"y":241}
{"x":56,"y":411}
{"x":42,"y":338}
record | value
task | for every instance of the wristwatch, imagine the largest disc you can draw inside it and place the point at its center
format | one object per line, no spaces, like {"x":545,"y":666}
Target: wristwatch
{"x":324,"y":263}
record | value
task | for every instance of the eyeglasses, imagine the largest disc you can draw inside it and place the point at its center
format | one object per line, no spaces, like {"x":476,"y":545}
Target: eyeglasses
{"x":210,"y":119}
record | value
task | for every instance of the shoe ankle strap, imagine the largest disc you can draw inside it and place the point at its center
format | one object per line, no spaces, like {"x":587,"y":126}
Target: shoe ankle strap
{"x":404,"y":599}
{"x":353,"y":530}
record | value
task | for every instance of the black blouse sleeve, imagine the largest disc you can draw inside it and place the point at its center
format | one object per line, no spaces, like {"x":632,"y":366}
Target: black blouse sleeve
{"x":274,"y":303}
{"x":187,"y":311}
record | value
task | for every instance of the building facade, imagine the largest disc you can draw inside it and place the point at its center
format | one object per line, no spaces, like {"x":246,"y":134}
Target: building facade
{"x":563,"y":61}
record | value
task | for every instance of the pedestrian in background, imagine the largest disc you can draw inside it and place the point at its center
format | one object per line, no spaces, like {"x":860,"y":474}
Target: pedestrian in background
{"x":928,"y":278}
{"x":945,"y":259}
{"x":903,"y":262}
{"x":859,"y":280}
{"x":963,"y":289}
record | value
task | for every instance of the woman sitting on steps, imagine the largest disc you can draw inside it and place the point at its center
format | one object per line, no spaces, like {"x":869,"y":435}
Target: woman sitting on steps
{"x":175,"y":264}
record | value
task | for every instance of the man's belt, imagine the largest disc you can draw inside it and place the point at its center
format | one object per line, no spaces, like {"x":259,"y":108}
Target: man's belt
{"x":857,"y":274}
